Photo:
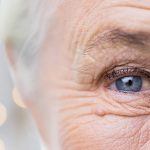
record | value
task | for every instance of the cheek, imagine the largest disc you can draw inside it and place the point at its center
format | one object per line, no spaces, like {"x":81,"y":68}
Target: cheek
{"x":81,"y":128}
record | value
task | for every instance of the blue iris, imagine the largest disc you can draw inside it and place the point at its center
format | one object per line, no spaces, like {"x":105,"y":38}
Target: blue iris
{"x":129,"y":84}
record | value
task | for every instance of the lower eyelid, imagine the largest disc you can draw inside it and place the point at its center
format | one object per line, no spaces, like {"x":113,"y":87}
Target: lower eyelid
{"x":130,"y":96}
{"x":124,"y":104}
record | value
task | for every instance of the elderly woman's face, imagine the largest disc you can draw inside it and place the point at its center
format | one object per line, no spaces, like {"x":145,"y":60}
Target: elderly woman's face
{"x":95,"y":69}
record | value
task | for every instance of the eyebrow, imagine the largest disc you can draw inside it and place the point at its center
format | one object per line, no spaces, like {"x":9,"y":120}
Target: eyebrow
{"x":123,"y":37}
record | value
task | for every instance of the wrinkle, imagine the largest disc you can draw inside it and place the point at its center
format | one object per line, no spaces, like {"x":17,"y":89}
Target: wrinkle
{"x":107,"y":107}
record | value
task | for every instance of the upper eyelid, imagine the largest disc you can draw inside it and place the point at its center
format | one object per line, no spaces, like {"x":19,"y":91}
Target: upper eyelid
{"x":126,"y":71}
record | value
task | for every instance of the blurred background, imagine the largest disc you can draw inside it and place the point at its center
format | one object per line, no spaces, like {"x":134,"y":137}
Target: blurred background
{"x":17,"y":128}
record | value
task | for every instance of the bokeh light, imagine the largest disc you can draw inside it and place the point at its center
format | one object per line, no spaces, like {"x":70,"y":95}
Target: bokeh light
{"x":2,"y":145}
{"x":3,"y":114}
{"x":17,"y":98}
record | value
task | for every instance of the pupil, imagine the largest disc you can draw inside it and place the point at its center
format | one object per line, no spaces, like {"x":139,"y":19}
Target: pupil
{"x":129,"y":84}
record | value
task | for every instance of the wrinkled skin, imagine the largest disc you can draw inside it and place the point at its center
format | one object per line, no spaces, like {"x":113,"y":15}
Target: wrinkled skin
{"x":74,"y":56}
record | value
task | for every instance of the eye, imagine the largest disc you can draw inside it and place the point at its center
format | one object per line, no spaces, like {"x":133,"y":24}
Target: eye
{"x":129,"y":84}
{"x":136,"y":81}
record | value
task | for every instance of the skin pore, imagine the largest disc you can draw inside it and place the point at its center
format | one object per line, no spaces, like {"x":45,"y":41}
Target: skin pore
{"x":88,"y":40}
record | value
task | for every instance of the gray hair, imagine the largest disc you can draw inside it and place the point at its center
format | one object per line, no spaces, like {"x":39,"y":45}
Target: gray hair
{"x":22,"y":23}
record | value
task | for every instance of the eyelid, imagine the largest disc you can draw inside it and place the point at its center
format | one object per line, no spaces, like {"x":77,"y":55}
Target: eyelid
{"x":128,"y":71}
{"x":131,"y":104}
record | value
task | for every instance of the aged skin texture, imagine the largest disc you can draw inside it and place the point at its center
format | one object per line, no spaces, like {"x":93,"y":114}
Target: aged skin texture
{"x":89,"y":46}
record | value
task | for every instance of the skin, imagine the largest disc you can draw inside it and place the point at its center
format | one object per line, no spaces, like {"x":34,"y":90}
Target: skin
{"x":94,"y":36}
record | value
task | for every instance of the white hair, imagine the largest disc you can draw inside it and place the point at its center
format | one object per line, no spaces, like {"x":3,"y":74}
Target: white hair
{"x":22,"y":23}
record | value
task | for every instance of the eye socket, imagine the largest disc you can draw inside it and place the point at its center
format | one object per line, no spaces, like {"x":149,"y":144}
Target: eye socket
{"x":136,"y":81}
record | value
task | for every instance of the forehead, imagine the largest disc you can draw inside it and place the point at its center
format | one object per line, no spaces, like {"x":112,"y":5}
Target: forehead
{"x":83,"y":19}
{"x":76,"y":22}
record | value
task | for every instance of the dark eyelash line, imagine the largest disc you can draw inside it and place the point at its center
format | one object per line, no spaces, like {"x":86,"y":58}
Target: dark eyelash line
{"x":126,"y":72}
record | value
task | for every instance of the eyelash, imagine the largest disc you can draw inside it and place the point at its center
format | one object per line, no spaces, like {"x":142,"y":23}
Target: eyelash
{"x":128,"y":71}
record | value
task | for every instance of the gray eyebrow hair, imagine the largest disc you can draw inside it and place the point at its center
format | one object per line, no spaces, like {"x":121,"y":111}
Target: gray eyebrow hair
{"x":121,"y":36}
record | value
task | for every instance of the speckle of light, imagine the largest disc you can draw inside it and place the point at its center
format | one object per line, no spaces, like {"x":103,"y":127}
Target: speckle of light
{"x":2,"y":145}
{"x":17,"y":98}
{"x":3,"y":114}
